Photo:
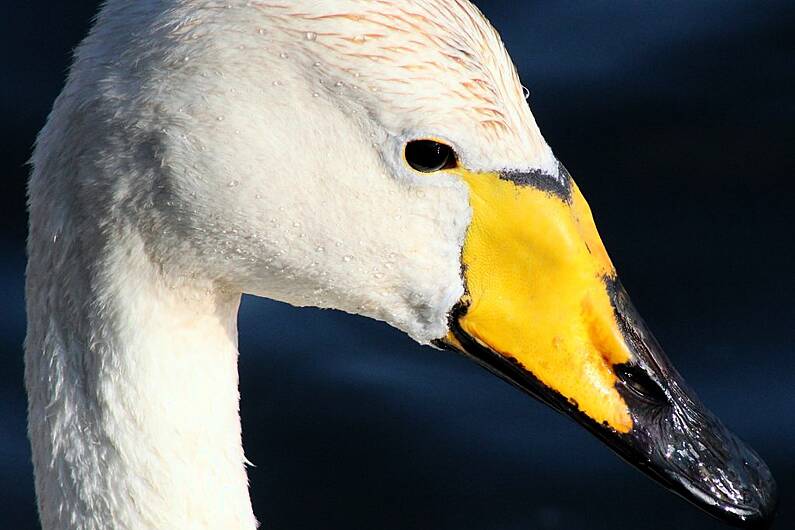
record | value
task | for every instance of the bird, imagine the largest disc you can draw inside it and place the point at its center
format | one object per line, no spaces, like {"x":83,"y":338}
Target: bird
{"x":377,"y":157}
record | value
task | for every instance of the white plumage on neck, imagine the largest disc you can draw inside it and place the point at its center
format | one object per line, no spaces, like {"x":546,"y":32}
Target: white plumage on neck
{"x":137,"y":382}
{"x":133,"y":397}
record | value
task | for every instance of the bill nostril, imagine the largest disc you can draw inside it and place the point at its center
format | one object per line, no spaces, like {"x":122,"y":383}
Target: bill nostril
{"x":637,"y":381}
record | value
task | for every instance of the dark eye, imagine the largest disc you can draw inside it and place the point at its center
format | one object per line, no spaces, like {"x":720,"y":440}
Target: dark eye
{"x":428,"y":156}
{"x":639,"y":383}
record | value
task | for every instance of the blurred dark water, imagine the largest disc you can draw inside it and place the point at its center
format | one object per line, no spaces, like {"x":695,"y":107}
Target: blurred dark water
{"x":676,"y":119}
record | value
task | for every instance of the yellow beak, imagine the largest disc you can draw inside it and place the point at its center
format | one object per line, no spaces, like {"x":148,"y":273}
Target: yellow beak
{"x":535,"y":271}
{"x":544,"y":310}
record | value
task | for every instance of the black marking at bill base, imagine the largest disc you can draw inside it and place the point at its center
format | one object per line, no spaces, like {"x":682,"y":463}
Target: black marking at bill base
{"x":558,"y":185}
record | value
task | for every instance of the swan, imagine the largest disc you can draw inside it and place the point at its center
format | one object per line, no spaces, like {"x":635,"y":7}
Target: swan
{"x":376,"y":157}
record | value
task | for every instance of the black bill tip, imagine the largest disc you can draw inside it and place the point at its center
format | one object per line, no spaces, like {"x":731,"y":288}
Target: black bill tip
{"x":678,"y":441}
{"x":690,"y":452}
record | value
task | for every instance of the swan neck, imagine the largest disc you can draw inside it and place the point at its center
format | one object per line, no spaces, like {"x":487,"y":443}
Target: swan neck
{"x":133,"y":392}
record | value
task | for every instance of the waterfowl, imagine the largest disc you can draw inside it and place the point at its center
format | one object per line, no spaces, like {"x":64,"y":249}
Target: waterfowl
{"x":375,"y":157}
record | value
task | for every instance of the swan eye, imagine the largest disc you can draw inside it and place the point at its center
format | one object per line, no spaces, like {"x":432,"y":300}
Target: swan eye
{"x":427,"y":156}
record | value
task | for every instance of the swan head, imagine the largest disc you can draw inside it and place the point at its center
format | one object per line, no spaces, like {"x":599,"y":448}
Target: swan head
{"x":381,"y":159}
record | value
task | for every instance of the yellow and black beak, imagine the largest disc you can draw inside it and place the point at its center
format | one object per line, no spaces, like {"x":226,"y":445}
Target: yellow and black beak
{"x":545,"y":311}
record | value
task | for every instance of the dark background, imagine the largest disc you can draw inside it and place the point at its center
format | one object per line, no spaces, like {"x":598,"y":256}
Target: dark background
{"x":676,"y":119}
